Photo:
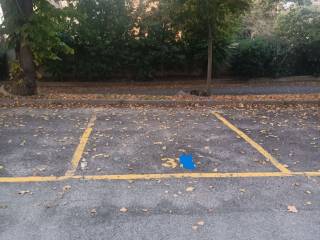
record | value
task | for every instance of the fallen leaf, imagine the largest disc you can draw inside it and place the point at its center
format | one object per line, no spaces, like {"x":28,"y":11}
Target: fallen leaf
{"x":98,"y":155}
{"x":292,"y":209}
{"x":83,"y":165}
{"x":195,"y":227}
{"x":190,"y":189}
{"x":66,"y":188}
{"x":23,"y":192}
{"x":201,"y":223}
{"x":123,"y":209}
{"x":93,"y":212}
{"x":41,"y":169}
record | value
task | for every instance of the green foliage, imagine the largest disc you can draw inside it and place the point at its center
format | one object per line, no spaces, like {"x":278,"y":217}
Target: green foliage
{"x":3,"y":63}
{"x":15,"y":71}
{"x":308,"y":59}
{"x":261,"y":57}
{"x":111,"y":38}
{"x":294,"y":48}
{"x":300,"y":26}
{"x":16,"y":77}
{"x":41,"y":31}
{"x":101,"y":39}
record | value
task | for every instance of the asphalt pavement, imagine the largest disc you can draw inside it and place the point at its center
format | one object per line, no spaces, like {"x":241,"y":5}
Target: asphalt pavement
{"x":114,"y":173}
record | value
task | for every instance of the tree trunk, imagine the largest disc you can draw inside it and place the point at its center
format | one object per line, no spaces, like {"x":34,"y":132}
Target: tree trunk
{"x":209,"y":69}
{"x":29,"y":87}
{"x":26,"y":85}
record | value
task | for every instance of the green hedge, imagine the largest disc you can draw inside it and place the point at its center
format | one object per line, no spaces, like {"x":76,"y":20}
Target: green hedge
{"x":307,"y":59}
{"x":142,"y":60}
{"x":272,"y":57}
{"x":3,"y":65}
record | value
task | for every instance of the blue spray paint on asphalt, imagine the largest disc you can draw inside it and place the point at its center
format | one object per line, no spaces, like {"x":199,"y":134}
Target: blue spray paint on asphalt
{"x":187,"y":162}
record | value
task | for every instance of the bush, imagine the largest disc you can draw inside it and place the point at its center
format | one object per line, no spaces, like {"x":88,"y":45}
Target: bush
{"x":3,"y":65}
{"x":260,"y":57}
{"x":107,"y":45}
{"x":300,"y":28}
{"x":293,"y":50}
{"x":275,"y":58}
{"x":307,"y":59}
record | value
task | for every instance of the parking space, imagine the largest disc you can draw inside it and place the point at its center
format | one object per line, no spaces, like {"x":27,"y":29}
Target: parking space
{"x":113,"y":141}
{"x":290,"y":135}
{"x":150,"y":141}
{"x":37,"y":142}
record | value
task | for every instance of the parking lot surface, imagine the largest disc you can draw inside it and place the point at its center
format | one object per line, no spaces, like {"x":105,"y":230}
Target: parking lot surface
{"x":114,"y":173}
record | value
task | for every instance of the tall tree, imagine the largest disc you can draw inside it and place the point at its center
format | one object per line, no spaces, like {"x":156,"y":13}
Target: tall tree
{"x":33,"y":28}
{"x":24,"y":51}
{"x":16,"y":14}
{"x":211,"y":20}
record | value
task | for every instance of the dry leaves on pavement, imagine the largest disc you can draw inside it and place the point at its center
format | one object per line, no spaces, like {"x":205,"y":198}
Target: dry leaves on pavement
{"x":292,"y":209}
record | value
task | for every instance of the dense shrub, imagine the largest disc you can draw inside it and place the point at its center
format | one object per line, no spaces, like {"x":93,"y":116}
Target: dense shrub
{"x":275,"y":58}
{"x":300,"y":29}
{"x":306,"y":59}
{"x":107,"y":45}
{"x":293,"y":50}
{"x":260,"y":57}
{"x":3,"y":65}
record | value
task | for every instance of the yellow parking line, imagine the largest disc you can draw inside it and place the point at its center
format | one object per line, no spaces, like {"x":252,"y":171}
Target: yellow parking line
{"x":157,"y":176}
{"x":186,"y":175}
{"x":32,"y":179}
{"x":79,"y":150}
{"x":255,"y":145}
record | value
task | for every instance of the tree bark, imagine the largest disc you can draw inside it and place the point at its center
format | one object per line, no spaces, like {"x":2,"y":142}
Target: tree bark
{"x":210,"y":56}
{"x":28,"y":85}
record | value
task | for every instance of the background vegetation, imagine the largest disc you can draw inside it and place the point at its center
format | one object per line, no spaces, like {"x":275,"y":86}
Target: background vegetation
{"x":289,"y":45}
{"x":108,"y":39}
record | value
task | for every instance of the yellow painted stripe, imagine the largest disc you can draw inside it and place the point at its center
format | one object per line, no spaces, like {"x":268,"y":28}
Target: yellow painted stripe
{"x":186,"y":175}
{"x":80,"y":148}
{"x":31,"y":179}
{"x":255,"y":145}
{"x":157,"y":176}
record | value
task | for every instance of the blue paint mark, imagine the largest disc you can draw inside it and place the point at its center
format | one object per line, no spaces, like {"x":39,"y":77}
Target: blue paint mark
{"x":187,"y":162}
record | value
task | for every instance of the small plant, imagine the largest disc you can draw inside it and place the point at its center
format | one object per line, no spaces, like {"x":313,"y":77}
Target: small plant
{"x":17,"y":84}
